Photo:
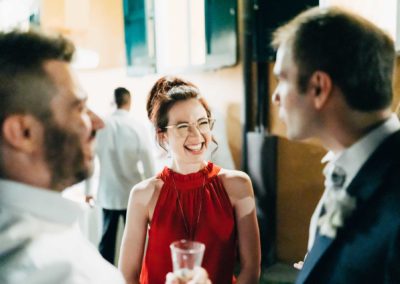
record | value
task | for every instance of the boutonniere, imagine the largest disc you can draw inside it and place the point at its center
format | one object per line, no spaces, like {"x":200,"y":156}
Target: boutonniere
{"x":338,"y":204}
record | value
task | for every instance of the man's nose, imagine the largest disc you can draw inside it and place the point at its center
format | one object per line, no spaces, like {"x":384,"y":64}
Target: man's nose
{"x":97,"y":122}
{"x":275,"y":97}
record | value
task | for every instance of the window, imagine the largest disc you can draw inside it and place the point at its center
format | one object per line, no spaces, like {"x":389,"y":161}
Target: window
{"x":139,"y":36}
{"x":221,"y":35}
{"x":177,"y":35}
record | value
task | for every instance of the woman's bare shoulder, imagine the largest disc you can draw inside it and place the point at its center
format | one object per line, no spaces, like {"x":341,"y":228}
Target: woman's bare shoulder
{"x":234,"y":177}
{"x":237,"y":185}
{"x":146,"y":189}
{"x":147,"y":184}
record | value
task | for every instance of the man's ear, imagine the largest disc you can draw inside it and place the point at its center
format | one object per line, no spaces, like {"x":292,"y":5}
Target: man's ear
{"x":320,"y":86}
{"x":20,"y":132}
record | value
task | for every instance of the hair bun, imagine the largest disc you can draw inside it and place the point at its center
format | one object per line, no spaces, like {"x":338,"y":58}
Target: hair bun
{"x":160,"y":90}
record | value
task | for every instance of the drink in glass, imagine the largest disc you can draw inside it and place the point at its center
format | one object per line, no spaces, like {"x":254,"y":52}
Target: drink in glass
{"x":186,"y":255}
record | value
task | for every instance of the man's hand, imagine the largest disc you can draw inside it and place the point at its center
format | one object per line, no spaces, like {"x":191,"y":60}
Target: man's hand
{"x":298,"y":265}
{"x":89,"y":199}
{"x":200,"y":277}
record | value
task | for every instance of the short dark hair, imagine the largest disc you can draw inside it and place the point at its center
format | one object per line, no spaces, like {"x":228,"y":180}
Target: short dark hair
{"x":121,"y":96}
{"x":358,"y":56}
{"x":25,"y":87}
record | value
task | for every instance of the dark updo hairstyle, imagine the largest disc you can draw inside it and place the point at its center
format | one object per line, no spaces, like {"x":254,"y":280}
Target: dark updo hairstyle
{"x":165,"y":93}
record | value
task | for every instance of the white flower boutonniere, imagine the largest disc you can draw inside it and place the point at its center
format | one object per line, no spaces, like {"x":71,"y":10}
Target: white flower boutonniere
{"x":338,"y":204}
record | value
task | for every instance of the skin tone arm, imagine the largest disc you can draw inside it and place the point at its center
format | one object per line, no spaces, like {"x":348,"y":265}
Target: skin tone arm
{"x":240,"y":191}
{"x":133,"y":241}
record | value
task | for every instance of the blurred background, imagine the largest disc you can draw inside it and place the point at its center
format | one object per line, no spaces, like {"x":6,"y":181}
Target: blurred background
{"x":222,"y":46}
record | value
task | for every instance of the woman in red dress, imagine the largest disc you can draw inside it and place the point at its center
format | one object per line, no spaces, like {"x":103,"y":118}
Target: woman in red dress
{"x":192,"y":199}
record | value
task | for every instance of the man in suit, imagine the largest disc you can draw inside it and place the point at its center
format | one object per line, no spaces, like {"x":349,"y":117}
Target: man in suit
{"x":334,"y":72}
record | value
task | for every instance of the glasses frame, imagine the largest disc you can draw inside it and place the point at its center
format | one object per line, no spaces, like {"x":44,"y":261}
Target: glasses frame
{"x":211,"y":122}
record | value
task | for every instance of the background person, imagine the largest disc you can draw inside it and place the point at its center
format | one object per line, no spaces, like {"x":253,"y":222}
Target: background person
{"x":125,"y":160}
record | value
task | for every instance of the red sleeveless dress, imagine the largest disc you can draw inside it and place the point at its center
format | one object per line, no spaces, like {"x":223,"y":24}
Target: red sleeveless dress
{"x":209,"y":217}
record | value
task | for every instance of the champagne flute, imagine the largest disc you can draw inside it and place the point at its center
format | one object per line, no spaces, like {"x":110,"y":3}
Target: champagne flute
{"x":186,"y":255}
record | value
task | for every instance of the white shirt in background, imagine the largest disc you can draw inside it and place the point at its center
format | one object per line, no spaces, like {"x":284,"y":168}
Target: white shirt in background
{"x":125,"y":155}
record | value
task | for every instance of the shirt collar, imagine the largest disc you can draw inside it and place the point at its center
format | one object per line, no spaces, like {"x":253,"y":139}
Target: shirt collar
{"x":120,"y":111}
{"x":40,"y":202}
{"x":352,"y":158}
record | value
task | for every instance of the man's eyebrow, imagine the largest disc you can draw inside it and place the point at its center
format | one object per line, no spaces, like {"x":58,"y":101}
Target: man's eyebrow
{"x":78,"y":101}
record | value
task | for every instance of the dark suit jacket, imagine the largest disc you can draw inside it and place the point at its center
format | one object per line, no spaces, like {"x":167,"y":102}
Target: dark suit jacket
{"x":367,"y":248}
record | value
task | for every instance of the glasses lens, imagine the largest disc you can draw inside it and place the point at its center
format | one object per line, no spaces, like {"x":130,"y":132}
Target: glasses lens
{"x":182,"y":129}
{"x":204,"y":126}
{"x":211,"y":121}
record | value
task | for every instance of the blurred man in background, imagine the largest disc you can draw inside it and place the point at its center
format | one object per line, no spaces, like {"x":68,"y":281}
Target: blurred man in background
{"x":125,"y":159}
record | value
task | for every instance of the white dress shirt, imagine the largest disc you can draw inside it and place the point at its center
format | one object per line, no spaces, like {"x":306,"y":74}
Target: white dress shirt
{"x":124,"y":151}
{"x":351,"y":160}
{"x":40,"y":241}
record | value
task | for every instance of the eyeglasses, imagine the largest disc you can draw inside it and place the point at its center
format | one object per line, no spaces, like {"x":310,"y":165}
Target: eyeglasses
{"x":204,"y":125}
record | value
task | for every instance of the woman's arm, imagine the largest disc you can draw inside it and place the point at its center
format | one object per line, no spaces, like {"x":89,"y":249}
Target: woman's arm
{"x":134,"y":238}
{"x":240,"y":190}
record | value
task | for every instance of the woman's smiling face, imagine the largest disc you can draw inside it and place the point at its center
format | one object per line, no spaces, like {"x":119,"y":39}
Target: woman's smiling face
{"x":188,"y":148}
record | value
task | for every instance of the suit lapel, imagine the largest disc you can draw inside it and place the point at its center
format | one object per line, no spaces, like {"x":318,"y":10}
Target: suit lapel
{"x":321,"y":244}
{"x":372,"y":173}
{"x":364,"y":185}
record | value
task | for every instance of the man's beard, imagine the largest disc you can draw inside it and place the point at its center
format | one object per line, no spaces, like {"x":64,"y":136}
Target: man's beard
{"x":64,"y":156}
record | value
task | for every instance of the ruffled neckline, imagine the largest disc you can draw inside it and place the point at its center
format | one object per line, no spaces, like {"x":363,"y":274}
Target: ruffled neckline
{"x":192,"y":179}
